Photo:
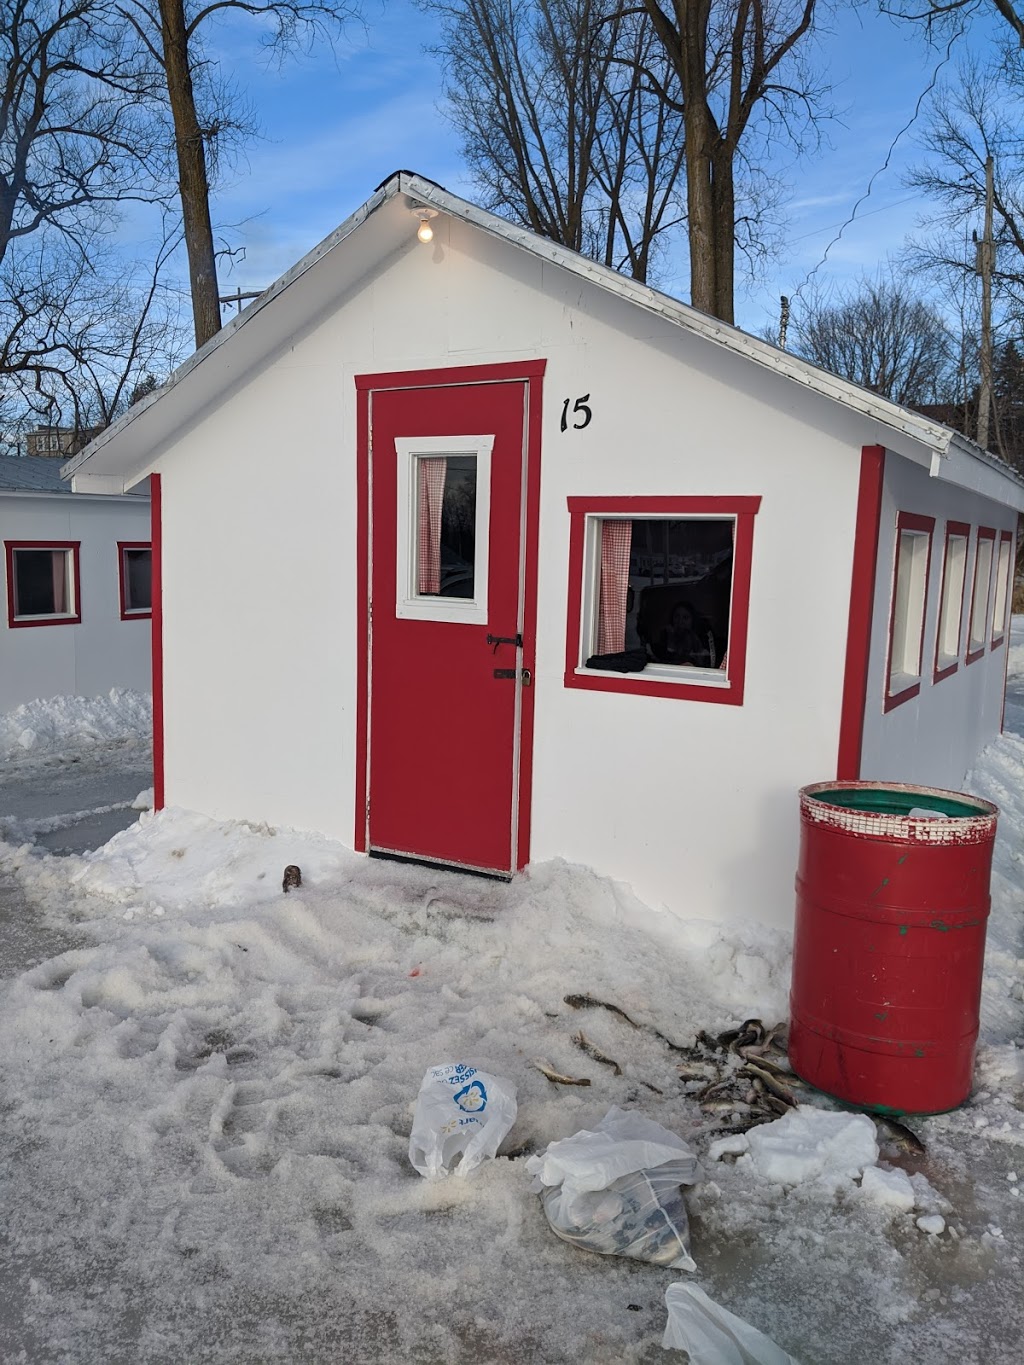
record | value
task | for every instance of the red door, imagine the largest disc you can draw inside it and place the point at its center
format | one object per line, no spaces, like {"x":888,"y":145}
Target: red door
{"x":446,"y":682}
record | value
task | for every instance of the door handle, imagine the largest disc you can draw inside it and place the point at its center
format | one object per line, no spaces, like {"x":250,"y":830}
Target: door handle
{"x":497,"y":640}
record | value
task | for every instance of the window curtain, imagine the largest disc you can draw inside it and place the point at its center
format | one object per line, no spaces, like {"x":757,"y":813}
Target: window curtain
{"x":59,"y":569}
{"x":616,"y":539}
{"x":431,"y":478}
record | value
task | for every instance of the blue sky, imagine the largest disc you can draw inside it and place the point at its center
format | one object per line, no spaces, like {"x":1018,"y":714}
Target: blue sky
{"x":334,"y":126}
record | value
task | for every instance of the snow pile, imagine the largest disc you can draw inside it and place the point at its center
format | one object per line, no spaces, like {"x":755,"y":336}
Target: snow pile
{"x":806,"y":1144}
{"x":62,"y":723}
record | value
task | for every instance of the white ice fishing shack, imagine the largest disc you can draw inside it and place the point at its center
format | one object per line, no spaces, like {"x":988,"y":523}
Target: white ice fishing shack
{"x":472,"y":551}
{"x":76,"y":593}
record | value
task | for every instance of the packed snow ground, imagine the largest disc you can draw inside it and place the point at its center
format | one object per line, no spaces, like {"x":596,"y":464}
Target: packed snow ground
{"x":207,"y":1104}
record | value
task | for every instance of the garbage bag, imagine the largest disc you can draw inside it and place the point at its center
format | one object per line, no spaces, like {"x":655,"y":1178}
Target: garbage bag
{"x":711,"y":1335}
{"x":460,"y":1112}
{"x":617,"y":1190}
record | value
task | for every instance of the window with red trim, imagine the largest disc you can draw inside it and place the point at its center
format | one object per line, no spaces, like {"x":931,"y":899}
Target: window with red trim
{"x":658,"y":595}
{"x":949,"y":635}
{"x":135,"y":579}
{"x":977,"y":636}
{"x":43,"y":584}
{"x":1004,"y":567}
{"x":906,"y":617}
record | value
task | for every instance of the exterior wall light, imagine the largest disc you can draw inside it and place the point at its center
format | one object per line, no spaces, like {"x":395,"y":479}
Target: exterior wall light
{"x":425,"y":232}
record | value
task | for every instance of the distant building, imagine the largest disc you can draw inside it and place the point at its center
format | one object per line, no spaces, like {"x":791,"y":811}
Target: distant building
{"x":58,"y":442}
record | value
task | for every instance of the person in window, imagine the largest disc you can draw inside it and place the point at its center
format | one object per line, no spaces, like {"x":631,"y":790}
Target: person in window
{"x":687,"y":639}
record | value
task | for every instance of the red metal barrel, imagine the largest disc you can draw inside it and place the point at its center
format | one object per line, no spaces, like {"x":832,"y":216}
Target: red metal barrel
{"x":889,"y":943}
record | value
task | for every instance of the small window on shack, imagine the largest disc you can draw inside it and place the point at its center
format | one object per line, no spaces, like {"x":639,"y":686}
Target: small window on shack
{"x":659,"y":593}
{"x":42,"y":583}
{"x":949,"y":636}
{"x":136,"y":578}
{"x":981,"y":593}
{"x":1003,"y":570}
{"x":909,"y":598}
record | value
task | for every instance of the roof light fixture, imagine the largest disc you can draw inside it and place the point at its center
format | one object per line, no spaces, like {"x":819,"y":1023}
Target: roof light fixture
{"x":425,"y":232}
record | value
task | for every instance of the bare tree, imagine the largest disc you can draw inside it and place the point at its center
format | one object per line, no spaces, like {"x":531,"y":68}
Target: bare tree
{"x":882,"y":337}
{"x":77,"y":141}
{"x":944,"y":16}
{"x":79,"y":335}
{"x":173,"y":32}
{"x":559,"y":127}
{"x":734,"y":62}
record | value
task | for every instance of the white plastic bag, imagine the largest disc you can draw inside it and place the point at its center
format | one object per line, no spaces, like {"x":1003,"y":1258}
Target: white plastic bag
{"x":711,"y":1335}
{"x":460,"y":1111}
{"x":616,"y":1190}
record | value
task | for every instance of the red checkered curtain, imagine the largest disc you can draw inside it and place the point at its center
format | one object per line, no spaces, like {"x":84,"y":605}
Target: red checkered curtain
{"x":59,"y":567}
{"x":431,"y":477}
{"x":616,"y":539}
{"x":724,"y":665}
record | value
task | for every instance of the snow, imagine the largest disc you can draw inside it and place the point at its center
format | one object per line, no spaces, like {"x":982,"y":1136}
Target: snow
{"x":60,"y":724}
{"x":208,"y":1088}
{"x":810,"y":1145}
{"x":890,"y":1189}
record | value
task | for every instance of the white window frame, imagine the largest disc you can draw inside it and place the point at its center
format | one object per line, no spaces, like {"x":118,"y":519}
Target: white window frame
{"x":985,"y":551}
{"x":950,"y":627}
{"x":909,"y":608}
{"x":653,"y":671}
{"x":1004,"y":565}
{"x":410,"y":604}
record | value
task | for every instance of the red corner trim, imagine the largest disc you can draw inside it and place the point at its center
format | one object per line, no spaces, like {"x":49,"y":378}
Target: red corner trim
{"x":363,"y":399}
{"x":858,"y":631}
{"x":157,"y":625}
{"x":126,"y":615}
{"x":744,"y":510}
{"x":962,"y":530}
{"x":1009,"y":610}
{"x":907,"y":521}
{"x":32,"y":622}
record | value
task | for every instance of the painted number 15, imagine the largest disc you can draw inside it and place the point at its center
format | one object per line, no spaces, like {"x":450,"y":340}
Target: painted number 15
{"x":578,"y":408}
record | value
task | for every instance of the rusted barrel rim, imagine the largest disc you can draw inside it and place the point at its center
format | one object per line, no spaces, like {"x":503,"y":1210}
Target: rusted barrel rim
{"x":946,"y":829}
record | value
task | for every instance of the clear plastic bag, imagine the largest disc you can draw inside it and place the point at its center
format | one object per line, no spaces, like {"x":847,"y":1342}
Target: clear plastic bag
{"x":711,"y":1335}
{"x":462,"y":1115}
{"x":617,"y":1190}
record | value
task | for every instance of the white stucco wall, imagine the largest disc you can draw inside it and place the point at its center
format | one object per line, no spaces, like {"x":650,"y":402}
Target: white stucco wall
{"x":933,"y":738}
{"x":102,"y":651}
{"x":693,"y":804}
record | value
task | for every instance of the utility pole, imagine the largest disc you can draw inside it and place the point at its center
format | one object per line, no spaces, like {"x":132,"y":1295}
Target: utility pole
{"x":783,"y":320}
{"x":983,"y":266}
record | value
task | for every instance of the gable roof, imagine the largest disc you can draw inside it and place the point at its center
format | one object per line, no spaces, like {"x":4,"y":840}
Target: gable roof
{"x":280,"y":310}
{"x":35,"y":473}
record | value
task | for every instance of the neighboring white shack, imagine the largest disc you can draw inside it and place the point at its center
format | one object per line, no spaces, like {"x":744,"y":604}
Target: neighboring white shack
{"x":76,"y":587}
{"x":523,"y":462}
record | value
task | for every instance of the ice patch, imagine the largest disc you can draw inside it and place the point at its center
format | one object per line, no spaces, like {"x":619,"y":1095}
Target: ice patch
{"x":809,"y":1145}
{"x":889,"y":1189}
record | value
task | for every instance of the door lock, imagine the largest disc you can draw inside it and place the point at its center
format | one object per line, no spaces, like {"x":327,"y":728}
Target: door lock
{"x":510,"y":675}
{"x":497,"y":640}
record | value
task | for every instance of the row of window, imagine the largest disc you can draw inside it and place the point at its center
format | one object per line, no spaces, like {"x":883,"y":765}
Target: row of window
{"x":984,"y":623}
{"x":44,"y":582}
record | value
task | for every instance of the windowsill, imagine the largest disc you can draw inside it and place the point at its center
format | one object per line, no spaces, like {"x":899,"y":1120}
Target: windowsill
{"x":978,"y":652}
{"x":685,"y":684}
{"x":142,"y":614}
{"x":945,"y":667}
{"x":64,"y":620}
{"x":997,"y":641}
{"x":902,"y":687}
{"x":672,"y":674}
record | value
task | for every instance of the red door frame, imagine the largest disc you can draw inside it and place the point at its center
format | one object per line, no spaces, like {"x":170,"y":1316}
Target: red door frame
{"x":530,"y":372}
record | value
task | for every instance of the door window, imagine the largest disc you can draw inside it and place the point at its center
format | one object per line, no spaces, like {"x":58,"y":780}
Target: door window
{"x":443,"y":516}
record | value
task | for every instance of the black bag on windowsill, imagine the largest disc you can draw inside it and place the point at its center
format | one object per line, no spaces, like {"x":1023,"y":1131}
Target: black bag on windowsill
{"x":627,"y":661}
